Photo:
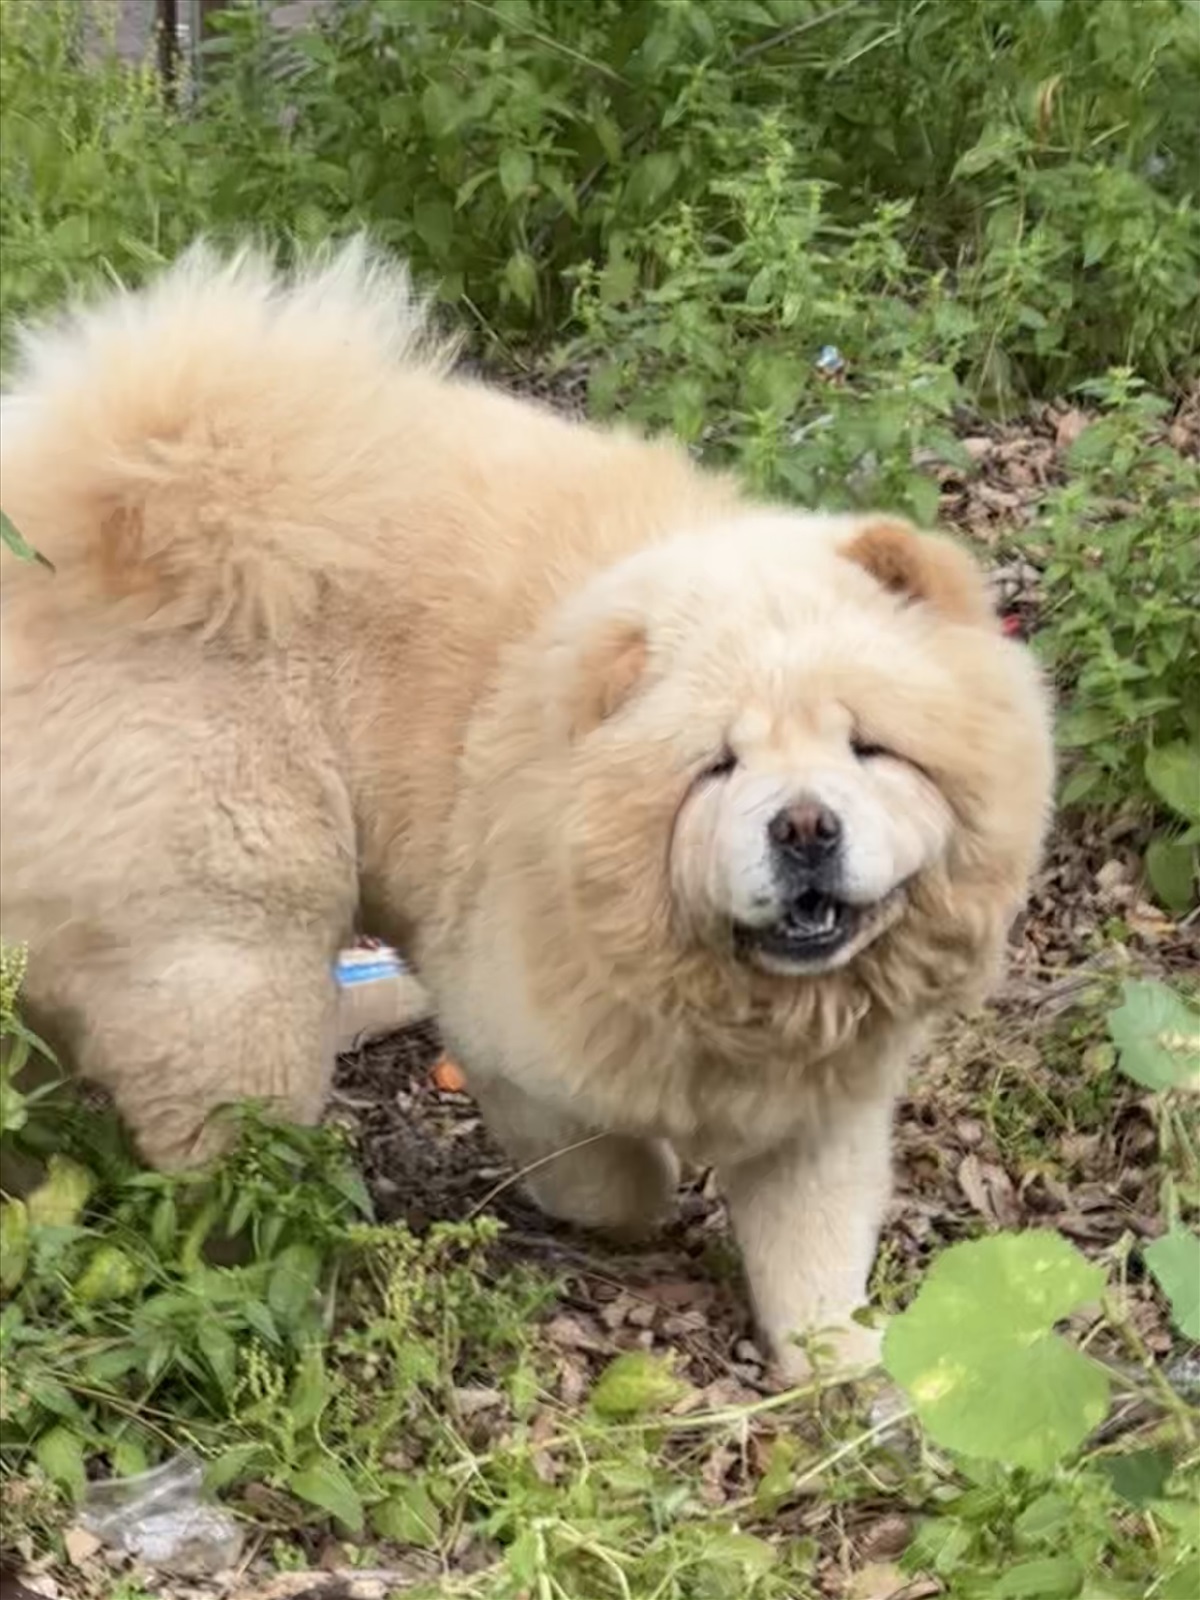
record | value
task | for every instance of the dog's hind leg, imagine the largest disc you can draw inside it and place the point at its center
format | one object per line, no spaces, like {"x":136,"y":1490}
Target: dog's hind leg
{"x":176,"y":1029}
{"x":612,"y":1182}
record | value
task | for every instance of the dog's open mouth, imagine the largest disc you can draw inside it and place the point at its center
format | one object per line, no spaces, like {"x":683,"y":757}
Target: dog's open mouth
{"x":816,"y":932}
{"x":814,"y":927}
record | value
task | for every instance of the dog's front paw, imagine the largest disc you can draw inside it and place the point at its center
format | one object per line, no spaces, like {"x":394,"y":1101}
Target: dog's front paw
{"x":838,"y":1354}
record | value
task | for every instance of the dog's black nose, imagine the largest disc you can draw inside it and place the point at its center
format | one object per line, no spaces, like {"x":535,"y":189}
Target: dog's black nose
{"x":806,"y":834}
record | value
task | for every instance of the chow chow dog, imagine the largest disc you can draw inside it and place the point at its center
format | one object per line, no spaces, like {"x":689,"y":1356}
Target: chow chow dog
{"x":691,"y":811}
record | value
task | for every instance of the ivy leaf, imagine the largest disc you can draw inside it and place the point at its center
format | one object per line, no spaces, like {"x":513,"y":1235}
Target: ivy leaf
{"x":978,"y":1356}
{"x":635,"y":1383}
{"x":1158,"y":1037}
{"x":323,"y":1483}
{"x":1174,"y":1264}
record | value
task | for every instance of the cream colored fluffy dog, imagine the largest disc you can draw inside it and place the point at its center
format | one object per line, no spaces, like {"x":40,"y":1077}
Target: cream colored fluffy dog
{"x":691,"y":812}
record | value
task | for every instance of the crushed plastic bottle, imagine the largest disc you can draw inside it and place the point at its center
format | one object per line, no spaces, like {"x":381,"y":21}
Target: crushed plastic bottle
{"x":161,"y":1518}
{"x":830,"y":363}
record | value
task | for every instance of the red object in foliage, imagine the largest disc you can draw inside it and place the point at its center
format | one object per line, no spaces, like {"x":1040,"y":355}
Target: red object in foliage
{"x":448,"y":1076}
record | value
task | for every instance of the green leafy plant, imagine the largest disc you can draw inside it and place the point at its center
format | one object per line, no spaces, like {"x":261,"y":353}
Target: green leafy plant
{"x":978,"y":1353}
{"x":1122,"y":624}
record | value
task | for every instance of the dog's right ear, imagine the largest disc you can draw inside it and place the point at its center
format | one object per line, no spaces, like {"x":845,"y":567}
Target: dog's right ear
{"x":609,"y":669}
{"x":922,"y":567}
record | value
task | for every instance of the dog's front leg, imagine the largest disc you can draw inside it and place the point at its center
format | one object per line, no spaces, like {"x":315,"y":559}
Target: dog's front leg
{"x":807,"y":1216}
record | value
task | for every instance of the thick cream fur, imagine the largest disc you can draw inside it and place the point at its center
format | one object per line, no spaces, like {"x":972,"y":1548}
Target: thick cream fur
{"x":337,"y":636}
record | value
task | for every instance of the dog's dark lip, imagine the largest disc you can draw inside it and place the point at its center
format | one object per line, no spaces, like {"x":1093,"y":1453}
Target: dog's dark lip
{"x":814,"y":928}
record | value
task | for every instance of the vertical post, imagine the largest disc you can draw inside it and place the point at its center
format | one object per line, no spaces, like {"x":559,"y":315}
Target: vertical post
{"x":166,"y":21}
{"x":182,"y":27}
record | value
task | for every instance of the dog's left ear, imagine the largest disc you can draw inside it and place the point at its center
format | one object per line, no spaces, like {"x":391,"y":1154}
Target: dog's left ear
{"x":609,"y":670}
{"x":922,"y":566}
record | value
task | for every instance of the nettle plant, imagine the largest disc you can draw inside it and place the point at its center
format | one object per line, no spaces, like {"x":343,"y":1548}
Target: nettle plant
{"x":744,"y":294}
{"x":1121,"y":623}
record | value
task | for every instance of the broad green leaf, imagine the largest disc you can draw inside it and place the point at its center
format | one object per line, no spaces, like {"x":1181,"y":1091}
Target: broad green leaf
{"x":923,"y":498}
{"x":997,"y":146}
{"x":749,"y":1556}
{"x":442,"y":109}
{"x":409,"y":1516}
{"x":1080,"y":784}
{"x":15,"y":541}
{"x":232,"y":1466}
{"x":977,"y":1353}
{"x":293,"y":1282}
{"x":434,"y":222}
{"x":1158,"y":1036}
{"x":650,"y":179}
{"x":14,"y":1243}
{"x":129,"y":1457}
{"x":1049,"y":1578}
{"x":1139,"y":1477}
{"x":309,"y":1389}
{"x":1043,"y":1519}
{"x":219,"y":1351}
{"x":52,"y":1396}
{"x":635,"y":1383}
{"x":192,"y":1248}
{"x":1171,"y":868}
{"x":1183,"y":1584}
{"x":323,"y":1483}
{"x":520,"y":274}
{"x":516,"y":172}
{"x":1174,"y":1263}
{"x":59,"y":1201}
{"x":13,"y":1104}
{"x":1173,"y":772}
{"x":260,"y":1319}
{"x":60,"y":1455}
{"x":109,"y":1275}
{"x":775,"y":1485}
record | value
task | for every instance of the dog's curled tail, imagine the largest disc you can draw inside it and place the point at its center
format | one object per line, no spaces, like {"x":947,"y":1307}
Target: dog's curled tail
{"x":206,"y":451}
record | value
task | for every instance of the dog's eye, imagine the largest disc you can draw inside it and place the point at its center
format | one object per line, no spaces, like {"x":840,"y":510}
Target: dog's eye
{"x":866,"y":750}
{"x":725,"y":763}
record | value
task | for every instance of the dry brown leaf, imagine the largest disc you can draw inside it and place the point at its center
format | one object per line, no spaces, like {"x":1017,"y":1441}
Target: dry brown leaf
{"x":1069,"y":426}
{"x":989,"y":1190}
{"x":882,"y":1580}
{"x":80,"y":1545}
{"x":887,"y":1538}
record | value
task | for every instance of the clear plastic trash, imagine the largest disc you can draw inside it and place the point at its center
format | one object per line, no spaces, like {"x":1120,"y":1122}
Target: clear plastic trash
{"x":162,"y":1519}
